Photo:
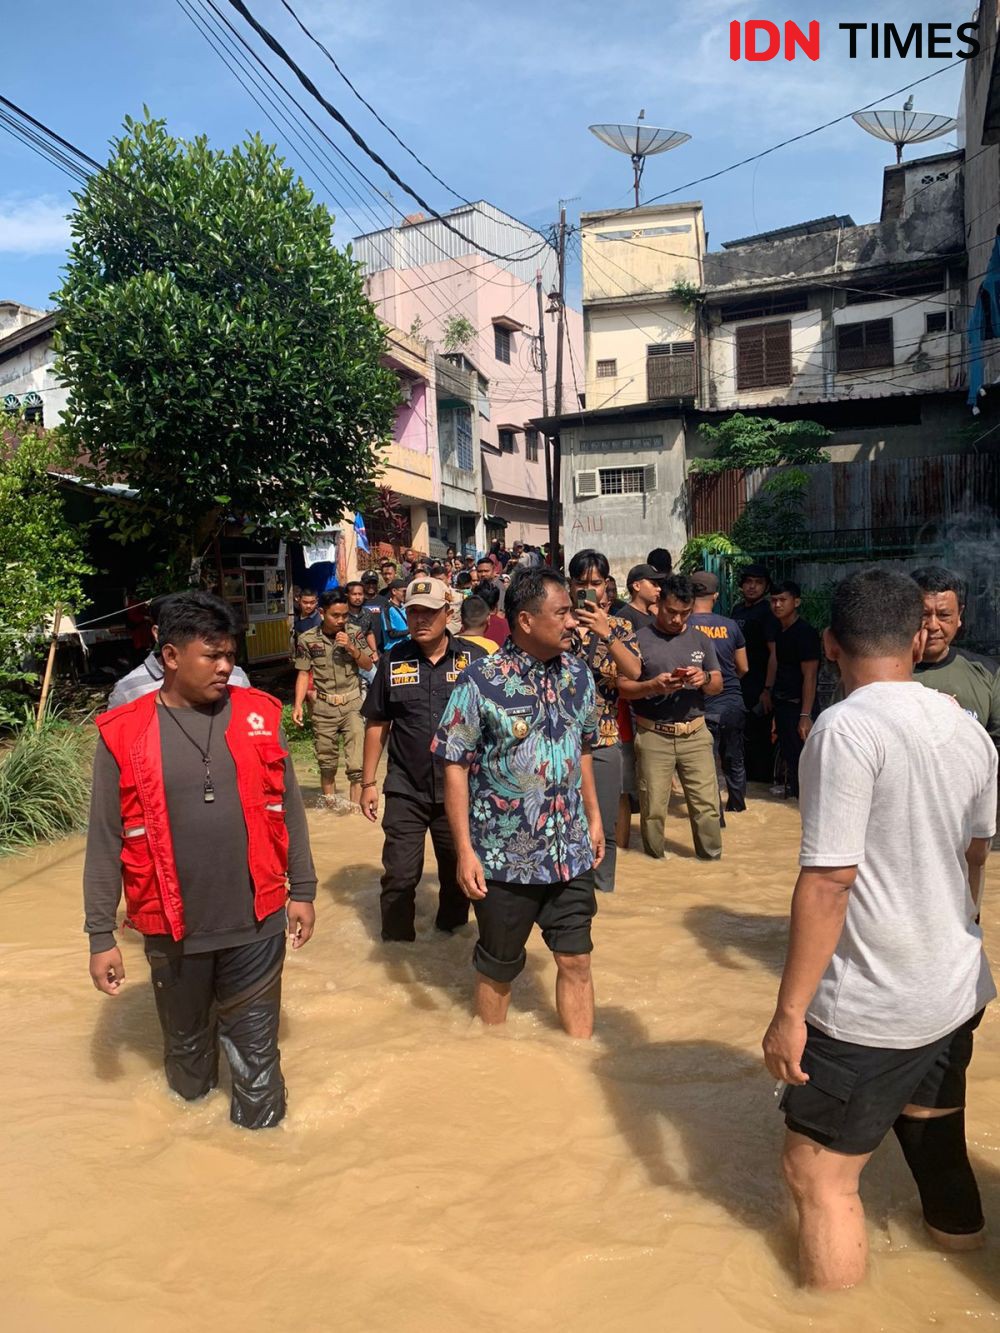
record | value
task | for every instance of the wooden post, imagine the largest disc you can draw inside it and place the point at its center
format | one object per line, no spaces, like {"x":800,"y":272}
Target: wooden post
{"x":47,"y":678}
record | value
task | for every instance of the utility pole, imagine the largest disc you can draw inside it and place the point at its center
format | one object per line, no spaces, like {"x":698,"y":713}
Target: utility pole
{"x":555,"y":492}
{"x":545,"y":397}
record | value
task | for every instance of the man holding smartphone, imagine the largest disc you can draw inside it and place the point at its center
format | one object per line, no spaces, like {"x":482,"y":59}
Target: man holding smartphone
{"x":680,"y":669}
{"x":608,"y":646}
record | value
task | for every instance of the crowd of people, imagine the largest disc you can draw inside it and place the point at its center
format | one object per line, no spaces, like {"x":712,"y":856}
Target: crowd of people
{"x":526,"y":716}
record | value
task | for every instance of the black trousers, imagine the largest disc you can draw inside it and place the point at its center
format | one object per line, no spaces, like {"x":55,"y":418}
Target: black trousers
{"x":406,"y":822}
{"x":728,"y":731}
{"x":786,"y":724}
{"x":757,"y":747}
{"x":232,"y":997}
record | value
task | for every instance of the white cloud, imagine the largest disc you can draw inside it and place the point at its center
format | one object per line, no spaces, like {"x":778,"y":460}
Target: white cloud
{"x":33,"y":226}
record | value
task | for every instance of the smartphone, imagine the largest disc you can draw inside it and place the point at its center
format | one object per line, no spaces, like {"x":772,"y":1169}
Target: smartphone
{"x":586,"y":599}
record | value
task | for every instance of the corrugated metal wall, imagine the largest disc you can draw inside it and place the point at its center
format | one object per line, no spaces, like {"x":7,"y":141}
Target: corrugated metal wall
{"x":929,"y":495}
{"x":715,"y":500}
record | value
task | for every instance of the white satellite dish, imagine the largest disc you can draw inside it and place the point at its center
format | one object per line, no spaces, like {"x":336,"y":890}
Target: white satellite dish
{"x":905,"y":126}
{"x":639,"y":141}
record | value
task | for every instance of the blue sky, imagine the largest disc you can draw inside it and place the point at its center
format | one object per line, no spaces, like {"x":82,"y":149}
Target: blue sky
{"x":497,"y":99}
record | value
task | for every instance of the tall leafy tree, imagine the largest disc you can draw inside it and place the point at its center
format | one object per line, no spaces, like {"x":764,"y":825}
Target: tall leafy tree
{"x":219,"y":352}
{"x":42,"y":559}
{"x":743,"y":441}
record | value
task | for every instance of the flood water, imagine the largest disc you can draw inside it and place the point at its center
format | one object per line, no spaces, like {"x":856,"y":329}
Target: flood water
{"x":431,"y":1175}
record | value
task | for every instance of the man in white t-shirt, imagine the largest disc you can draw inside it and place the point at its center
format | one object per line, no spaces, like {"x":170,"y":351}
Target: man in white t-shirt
{"x":885,"y":977}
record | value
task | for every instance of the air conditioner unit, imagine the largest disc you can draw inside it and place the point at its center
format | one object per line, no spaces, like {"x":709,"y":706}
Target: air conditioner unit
{"x":587,"y":484}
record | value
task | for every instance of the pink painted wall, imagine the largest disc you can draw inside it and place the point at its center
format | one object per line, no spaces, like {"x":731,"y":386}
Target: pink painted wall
{"x":482,"y":291}
{"x":411,"y":426}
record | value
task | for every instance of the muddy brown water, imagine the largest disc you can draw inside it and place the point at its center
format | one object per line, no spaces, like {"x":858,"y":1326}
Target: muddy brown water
{"x":433,"y":1176}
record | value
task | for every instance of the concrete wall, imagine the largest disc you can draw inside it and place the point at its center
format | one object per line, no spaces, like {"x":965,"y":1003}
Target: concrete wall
{"x":923,"y":362}
{"x":622,"y":334}
{"x":30,"y":369}
{"x":630,"y":263}
{"x":625,"y":527}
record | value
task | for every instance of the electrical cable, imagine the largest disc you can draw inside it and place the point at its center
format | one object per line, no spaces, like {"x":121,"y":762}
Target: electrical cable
{"x":272,"y":42}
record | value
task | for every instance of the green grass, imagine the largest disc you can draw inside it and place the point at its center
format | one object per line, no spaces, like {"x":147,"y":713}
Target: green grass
{"x":44,"y":784}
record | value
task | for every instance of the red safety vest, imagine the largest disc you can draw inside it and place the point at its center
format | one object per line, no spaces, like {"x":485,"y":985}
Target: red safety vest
{"x":153,"y":896}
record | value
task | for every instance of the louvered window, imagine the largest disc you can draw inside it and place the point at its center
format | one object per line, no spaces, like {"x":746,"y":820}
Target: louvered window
{"x":501,"y":343}
{"x":864,"y":346}
{"x":670,"y":370}
{"x":531,"y":446}
{"x":764,"y":355}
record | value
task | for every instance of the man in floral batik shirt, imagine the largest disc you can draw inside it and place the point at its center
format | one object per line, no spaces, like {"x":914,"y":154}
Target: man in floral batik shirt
{"x":520,"y":798}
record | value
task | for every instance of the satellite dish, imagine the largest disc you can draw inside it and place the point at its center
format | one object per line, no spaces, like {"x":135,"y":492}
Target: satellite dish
{"x":903,"y":127}
{"x":639,"y":141}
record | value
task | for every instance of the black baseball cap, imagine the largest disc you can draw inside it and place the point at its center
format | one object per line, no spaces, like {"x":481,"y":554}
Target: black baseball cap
{"x":644,"y":572}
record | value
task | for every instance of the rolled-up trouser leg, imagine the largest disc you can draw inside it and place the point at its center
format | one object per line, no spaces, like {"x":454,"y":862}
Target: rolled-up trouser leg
{"x":453,"y":906}
{"x":184,"y":987}
{"x":248,"y":995}
{"x":608,"y":781}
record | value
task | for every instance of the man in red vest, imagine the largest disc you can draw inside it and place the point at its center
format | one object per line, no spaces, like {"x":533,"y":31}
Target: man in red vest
{"x":196,"y":814}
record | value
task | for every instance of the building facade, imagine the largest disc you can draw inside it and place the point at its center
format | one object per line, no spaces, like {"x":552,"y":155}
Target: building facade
{"x":481,"y":314}
{"x":861,"y":328}
{"x":979,"y":129}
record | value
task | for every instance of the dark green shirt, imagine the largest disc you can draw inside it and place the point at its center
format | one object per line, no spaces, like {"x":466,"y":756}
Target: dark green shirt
{"x":970,"y":683}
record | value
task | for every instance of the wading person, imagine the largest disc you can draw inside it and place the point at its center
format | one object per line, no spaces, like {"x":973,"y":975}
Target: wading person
{"x":148,"y":675}
{"x":885,"y":977}
{"x":968,"y":677}
{"x":608,"y":646}
{"x":679,"y":671}
{"x":755,"y":618}
{"x":791,"y":678}
{"x":404,"y":706}
{"x":334,"y":655}
{"x":725,"y":713}
{"x":521,"y":802}
{"x":196,"y":813}
{"x":643,"y":585}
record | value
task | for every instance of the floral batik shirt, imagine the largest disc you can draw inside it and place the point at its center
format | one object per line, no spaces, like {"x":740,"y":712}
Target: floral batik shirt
{"x":521,"y":727}
{"x":597,"y":655}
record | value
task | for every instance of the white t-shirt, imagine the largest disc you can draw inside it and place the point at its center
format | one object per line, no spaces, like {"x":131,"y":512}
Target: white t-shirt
{"x":898,"y":780}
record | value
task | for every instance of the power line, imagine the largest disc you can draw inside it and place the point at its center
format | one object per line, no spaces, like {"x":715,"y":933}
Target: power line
{"x":364,"y":102}
{"x":272,"y":42}
{"x":51,"y":134}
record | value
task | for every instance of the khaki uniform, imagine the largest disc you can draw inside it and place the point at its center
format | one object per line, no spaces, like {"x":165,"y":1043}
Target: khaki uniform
{"x":691,"y":757}
{"x":337,"y":711}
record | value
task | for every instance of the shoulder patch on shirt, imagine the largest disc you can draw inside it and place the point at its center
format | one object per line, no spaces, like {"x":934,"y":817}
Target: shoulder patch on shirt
{"x":404,"y":673}
{"x":461,"y":662}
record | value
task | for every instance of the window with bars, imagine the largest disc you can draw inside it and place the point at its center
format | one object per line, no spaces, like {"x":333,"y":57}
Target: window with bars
{"x":864,"y":346}
{"x":623,"y":480}
{"x":607,"y":369}
{"x":501,"y":344}
{"x":670,"y":370}
{"x":764,"y":355}
{"x":506,"y":441}
{"x":531,"y":446}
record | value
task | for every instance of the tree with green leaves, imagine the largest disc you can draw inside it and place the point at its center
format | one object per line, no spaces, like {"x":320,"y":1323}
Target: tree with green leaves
{"x":743,"y":441}
{"x":42,"y":560}
{"x":219,"y":352}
